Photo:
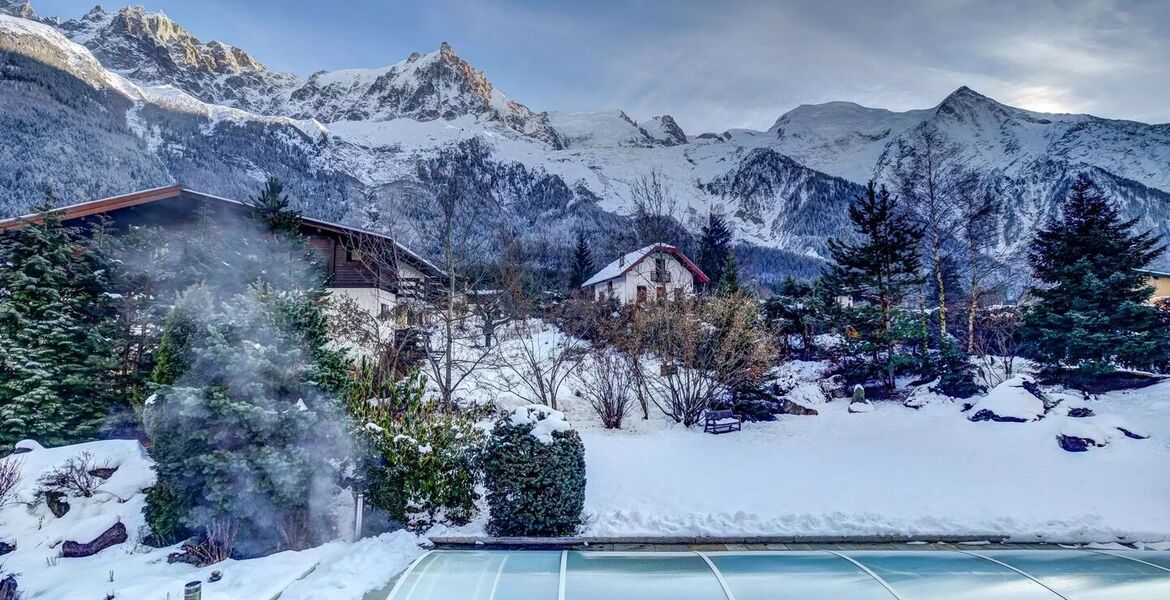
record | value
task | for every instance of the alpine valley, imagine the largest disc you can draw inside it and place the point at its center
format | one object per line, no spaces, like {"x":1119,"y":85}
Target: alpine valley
{"x":117,"y":101}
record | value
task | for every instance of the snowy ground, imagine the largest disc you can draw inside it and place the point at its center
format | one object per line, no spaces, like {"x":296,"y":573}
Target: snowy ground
{"x":133,"y":571}
{"x":894,"y":471}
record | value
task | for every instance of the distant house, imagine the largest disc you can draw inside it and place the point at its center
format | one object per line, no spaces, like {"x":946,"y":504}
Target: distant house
{"x":369,"y":267}
{"x":656,"y":272}
{"x":1161,"y":283}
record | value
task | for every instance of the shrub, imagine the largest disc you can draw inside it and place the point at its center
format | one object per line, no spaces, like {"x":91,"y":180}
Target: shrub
{"x":534,"y":472}
{"x":956,"y":373}
{"x":608,"y":385}
{"x":74,"y":478}
{"x":424,"y":467}
{"x":164,"y":513}
{"x":9,"y":479}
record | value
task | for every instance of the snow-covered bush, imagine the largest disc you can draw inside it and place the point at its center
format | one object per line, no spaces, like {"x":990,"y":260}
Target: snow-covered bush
{"x":534,"y":472}
{"x":425,"y":453}
{"x":77,"y":477}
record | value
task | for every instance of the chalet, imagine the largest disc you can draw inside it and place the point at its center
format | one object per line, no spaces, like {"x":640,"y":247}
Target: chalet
{"x":658,"y":271}
{"x":370,"y":267}
{"x":1160,"y":282}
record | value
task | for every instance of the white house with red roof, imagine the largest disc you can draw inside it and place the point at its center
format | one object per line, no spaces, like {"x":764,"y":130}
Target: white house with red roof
{"x":656,"y":272}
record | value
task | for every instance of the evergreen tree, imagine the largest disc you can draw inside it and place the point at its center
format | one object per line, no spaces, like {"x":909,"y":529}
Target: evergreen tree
{"x":1091,"y":313}
{"x":877,"y":271}
{"x":247,"y":420}
{"x":730,"y":284}
{"x":714,"y":245}
{"x":56,"y":335}
{"x":272,"y":208}
{"x":582,"y":267}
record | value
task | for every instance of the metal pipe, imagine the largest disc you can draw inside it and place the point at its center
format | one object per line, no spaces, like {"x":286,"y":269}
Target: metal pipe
{"x":358,"y":509}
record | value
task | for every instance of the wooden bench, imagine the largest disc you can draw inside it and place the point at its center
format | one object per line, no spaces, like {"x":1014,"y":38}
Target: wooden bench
{"x":721,"y":421}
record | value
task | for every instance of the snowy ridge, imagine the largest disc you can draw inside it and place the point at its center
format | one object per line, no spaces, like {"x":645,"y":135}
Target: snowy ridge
{"x":368,"y":129}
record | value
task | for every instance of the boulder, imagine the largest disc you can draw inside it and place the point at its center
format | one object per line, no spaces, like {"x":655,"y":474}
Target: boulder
{"x":1012,"y":401}
{"x":863,"y":406}
{"x":1079,"y":435}
{"x":103,"y":472}
{"x":788,"y":407}
{"x":8,"y":588}
{"x":56,"y":503}
{"x":116,"y":534}
{"x":5,"y":547}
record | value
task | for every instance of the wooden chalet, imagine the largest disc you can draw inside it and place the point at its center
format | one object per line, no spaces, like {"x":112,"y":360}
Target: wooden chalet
{"x":370,"y":267}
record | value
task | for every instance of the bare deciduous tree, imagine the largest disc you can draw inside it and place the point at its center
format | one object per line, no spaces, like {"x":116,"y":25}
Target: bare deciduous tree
{"x":654,"y":205}
{"x":693,"y":351}
{"x":10,"y":477}
{"x":933,"y":182}
{"x":608,"y":384}
{"x":537,"y":359}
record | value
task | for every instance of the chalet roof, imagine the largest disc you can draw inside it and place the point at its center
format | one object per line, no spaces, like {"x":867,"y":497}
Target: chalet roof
{"x":620,"y":266}
{"x":105,"y":205}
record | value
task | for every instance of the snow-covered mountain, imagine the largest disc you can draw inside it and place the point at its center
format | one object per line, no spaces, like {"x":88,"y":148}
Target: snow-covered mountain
{"x":128,"y":99}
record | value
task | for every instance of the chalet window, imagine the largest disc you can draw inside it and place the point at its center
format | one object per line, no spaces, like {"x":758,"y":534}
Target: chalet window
{"x":660,"y":293}
{"x":353,"y":255}
{"x":643,"y":294}
{"x":385,"y":312}
{"x":678,"y":294}
{"x":660,"y":274}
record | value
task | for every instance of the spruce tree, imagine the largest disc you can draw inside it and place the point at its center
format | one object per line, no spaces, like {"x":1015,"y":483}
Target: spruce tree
{"x":247,"y":420}
{"x":714,"y":244}
{"x":272,"y":207}
{"x":57,"y":346}
{"x":877,"y":271}
{"x":582,"y":267}
{"x":1091,"y":312}
{"x":730,"y":284}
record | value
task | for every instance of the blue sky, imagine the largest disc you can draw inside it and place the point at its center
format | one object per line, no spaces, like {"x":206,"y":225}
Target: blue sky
{"x":733,"y":63}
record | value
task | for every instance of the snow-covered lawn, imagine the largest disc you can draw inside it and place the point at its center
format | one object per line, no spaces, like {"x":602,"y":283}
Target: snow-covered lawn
{"x":134,"y":571}
{"x":896,"y":471}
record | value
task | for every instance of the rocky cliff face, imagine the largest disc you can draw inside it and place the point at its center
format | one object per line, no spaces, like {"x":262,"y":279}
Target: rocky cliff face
{"x":129,"y":99}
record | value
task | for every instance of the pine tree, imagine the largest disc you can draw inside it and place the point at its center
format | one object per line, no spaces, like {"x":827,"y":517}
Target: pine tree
{"x":272,"y":208}
{"x":1091,"y":313}
{"x":878,"y":271}
{"x":730,"y":284}
{"x":56,"y":335}
{"x":247,"y":420}
{"x":714,"y":244}
{"x":582,"y":267}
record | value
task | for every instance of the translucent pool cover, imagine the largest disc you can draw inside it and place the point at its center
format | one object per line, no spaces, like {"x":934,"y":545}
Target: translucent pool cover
{"x":844,"y":575}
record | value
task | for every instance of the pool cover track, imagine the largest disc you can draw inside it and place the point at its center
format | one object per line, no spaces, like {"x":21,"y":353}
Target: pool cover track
{"x":787,"y":575}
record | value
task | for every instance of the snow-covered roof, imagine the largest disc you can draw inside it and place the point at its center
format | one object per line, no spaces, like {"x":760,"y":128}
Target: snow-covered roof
{"x":619,"y":267}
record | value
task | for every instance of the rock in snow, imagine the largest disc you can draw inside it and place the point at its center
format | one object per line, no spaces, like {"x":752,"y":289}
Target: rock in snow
{"x":1009,"y":402}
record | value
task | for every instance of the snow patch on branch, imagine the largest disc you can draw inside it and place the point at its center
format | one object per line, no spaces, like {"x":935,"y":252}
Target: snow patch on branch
{"x":544,"y":421}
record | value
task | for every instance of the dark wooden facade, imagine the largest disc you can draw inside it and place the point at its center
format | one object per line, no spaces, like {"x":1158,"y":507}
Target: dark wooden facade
{"x":345,"y":251}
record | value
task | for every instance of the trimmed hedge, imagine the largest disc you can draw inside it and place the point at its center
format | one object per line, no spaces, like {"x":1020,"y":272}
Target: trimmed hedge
{"x":533,"y":488}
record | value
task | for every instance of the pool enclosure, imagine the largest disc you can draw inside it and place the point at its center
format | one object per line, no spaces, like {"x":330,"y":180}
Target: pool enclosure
{"x":837,"y":575}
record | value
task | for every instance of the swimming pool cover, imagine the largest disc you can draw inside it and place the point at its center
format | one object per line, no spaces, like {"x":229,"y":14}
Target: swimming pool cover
{"x":838,"y":575}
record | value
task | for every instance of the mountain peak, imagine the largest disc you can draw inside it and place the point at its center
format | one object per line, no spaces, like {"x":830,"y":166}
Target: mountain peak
{"x":17,"y":8}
